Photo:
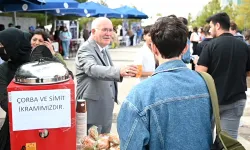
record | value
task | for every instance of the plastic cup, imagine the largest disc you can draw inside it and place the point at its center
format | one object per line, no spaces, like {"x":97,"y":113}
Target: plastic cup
{"x":139,"y":73}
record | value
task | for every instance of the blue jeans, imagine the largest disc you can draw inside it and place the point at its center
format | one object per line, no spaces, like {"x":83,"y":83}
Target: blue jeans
{"x":230,"y":117}
{"x":65,"y":45}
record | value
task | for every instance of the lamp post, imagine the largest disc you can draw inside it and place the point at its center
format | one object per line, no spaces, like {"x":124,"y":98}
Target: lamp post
{"x":14,"y":18}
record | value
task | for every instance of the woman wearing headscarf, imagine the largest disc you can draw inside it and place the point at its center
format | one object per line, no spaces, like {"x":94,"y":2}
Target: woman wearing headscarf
{"x":15,"y":50}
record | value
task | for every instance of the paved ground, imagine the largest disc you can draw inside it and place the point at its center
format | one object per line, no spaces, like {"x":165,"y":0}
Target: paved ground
{"x":125,"y":56}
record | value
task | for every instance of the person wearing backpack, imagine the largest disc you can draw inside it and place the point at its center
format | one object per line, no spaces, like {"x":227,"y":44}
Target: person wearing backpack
{"x":171,"y":110}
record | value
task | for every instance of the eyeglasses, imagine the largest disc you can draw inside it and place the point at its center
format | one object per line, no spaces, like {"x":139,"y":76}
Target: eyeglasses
{"x":105,"y":29}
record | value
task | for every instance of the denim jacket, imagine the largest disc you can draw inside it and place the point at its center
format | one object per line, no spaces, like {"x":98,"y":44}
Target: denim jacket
{"x":169,"y":111}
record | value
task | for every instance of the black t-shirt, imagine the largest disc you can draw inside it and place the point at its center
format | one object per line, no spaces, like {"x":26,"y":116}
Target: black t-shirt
{"x":227,"y":59}
{"x":201,"y":45}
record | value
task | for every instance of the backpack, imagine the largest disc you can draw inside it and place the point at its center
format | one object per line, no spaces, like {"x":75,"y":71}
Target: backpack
{"x":223,"y":141}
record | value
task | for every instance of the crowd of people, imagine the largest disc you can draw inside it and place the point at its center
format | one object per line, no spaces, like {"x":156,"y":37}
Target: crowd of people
{"x":61,"y":35}
{"x":170,"y":108}
{"x":199,"y":37}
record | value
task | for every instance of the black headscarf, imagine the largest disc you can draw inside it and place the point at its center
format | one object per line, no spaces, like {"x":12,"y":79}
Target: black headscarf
{"x":17,"y":47}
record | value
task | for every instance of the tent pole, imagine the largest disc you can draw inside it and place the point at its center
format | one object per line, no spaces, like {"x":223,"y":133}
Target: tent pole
{"x":53,"y":24}
{"x":14,"y":18}
{"x":46,"y":18}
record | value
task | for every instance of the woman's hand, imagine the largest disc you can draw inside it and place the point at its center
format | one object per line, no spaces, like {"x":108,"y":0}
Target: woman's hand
{"x":50,"y":46}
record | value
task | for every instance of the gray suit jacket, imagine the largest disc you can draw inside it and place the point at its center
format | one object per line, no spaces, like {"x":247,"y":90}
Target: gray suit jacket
{"x":96,"y":82}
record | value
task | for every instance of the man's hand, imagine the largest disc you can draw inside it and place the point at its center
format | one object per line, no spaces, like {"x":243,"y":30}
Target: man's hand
{"x":195,"y":59}
{"x":130,"y":70}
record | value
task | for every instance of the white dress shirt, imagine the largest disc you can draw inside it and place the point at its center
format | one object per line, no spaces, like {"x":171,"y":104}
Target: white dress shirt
{"x":145,"y":58}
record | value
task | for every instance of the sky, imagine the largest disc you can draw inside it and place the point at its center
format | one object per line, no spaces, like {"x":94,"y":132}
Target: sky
{"x":180,"y":8}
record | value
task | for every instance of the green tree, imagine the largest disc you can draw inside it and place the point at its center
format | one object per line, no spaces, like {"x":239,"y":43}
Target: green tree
{"x":83,"y":22}
{"x":102,"y":2}
{"x":116,"y":22}
{"x":214,"y":7}
{"x":159,"y":14}
{"x":189,"y":18}
{"x":242,"y":20}
{"x":230,"y":9}
{"x":211,"y":8}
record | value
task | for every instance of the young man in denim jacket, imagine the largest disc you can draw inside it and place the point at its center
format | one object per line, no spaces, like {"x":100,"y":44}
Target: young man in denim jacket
{"x":172,"y":109}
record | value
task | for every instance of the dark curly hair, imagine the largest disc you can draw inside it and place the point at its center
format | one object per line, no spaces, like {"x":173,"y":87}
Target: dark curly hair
{"x":41,"y":32}
{"x":169,"y":35}
{"x":221,"y":18}
{"x":147,"y":29}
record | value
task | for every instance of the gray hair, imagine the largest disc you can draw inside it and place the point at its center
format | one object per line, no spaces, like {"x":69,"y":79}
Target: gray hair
{"x":96,"y":22}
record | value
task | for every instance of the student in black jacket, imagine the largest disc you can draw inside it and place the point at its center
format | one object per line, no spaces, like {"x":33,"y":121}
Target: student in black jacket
{"x":15,"y":50}
{"x":227,"y":60}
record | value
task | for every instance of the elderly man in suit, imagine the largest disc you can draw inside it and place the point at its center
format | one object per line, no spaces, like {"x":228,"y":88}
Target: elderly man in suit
{"x":97,"y":77}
